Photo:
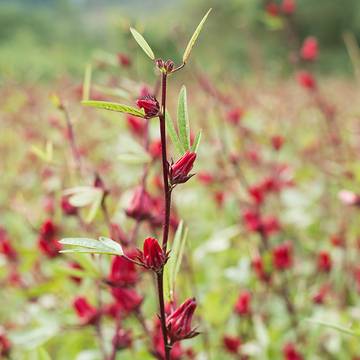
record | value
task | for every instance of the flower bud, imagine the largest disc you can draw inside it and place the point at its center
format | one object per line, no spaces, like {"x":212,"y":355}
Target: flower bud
{"x":290,"y":352}
{"x":306,"y":80}
{"x":66,"y":206}
{"x":169,"y":66}
{"x":152,"y":257}
{"x":324,"y":262}
{"x":309,"y":50}
{"x":282,"y":256}
{"x":242,"y":306}
{"x":141,"y":205}
{"x":150,"y":105}
{"x":178,"y":323}
{"x":231,"y":344}
{"x":288,"y":7}
{"x":179,"y":172}
{"x":159,"y":64}
{"x":122,"y":339}
{"x":87,"y":313}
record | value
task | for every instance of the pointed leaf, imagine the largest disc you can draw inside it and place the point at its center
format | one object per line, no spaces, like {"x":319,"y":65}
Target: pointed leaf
{"x":87,"y":83}
{"x":114,"y":107}
{"x":183,"y":120}
{"x":173,"y":135}
{"x":196,"y":143}
{"x":194,"y":37}
{"x":83,"y":242}
{"x":112,"y":244}
{"x":142,"y":43}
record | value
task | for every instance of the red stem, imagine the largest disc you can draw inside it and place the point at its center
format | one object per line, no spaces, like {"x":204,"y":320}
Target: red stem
{"x":166,"y":221}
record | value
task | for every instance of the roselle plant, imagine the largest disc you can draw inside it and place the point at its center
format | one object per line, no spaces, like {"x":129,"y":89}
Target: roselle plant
{"x":175,"y":321}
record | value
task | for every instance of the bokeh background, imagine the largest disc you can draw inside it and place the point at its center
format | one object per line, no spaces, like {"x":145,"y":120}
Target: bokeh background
{"x":45,"y":39}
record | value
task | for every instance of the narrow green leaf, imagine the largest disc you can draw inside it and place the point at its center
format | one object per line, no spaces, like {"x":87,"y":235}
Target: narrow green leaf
{"x":142,"y":43}
{"x":83,"y":242}
{"x":335,"y":327}
{"x":183,"y":119}
{"x":94,"y":207}
{"x":194,"y":37}
{"x":114,"y":107}
{"x":86,"y":245}
{"x":112,"y":245}
{"x":173,"y":134}
{"x":196,"y":143}
{"x":43,"y":354}
{"x":177,"y":251}
{"x":87,"y":83}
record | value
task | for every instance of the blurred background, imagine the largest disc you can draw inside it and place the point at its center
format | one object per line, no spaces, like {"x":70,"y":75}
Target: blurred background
{"x":45,"y":39}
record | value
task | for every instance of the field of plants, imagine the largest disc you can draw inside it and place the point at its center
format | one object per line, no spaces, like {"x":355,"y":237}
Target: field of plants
{"x":180,"y":196}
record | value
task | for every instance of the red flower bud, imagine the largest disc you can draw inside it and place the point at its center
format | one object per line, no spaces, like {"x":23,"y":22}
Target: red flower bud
{"x":66,"y":207}
{"x":242,"y":306}
{"x":141,"y":205}
{"x":277,"y":142}
{"x":234,"y":115}
{"x":231,"y":344}
{"x":306,"y":80}
{"x":122,"y":339}
{"x":282,"y":256}
{"x":5,"y":246}
{"x":136,"y":125}
{"x":47,"y":240}
{"x":178,"y":323}
{"x":272,"y":9}
{"x":179,"y":172}
{"x":324,"y":262}
{"x":150,"y":105}
{"x":290,"y":352}
{"x":309,"y":49}
{"x":5,"y":345}
{"x":129,"y":299}
{"x":124,"y":60}
{"x":123,"y":272}
{"x":288,"y":7}
{"x":87,"y":313}
{"x":155,"y":149}
{"x":152,"y":257}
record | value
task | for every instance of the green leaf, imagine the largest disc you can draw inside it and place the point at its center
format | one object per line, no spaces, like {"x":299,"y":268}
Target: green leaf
{"x":195,"y":35}
{"x":87,"y":83}
{"x":111,"y":244}
{"x":114,"y":107}
{"x":43,"y":354}
{"x":173,"y":134}
{"x":175,"y":260}
{"x":183,"y":119}
{"x":335,"y":327}
{"x":196,"y":143}
{"x":86,"y":245}
{"x":142,"y":43}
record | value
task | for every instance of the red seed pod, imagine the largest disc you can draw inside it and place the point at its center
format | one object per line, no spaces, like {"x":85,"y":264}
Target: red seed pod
{"x":309,"y":50}
{"x":290,"y":352}
{"x":178,"y":323}
{"x":277,"y":141}
{"x":5,"y":246}
{"x":179,"y":172}
{"x":272,"y":9}
{"x":136,"y":125}
{"x":231,"y":344}
{"x":306,"y":80}
{"x":141,"y":205}
{"x":282,"y":256}
{"x":129,"y":299}
{"x":87,"y":313}
{"x":67,"y":208}
{"x":122,"y":339}
{"x":150,"y":105}
{"x":152,"y":257}
{"x":123,"y":272}
{"x":5,"y":345}
{"x":124,"y":60}
{"x":243,"y":304}
{"x":324,"y":262}
{"x":288,"y":7}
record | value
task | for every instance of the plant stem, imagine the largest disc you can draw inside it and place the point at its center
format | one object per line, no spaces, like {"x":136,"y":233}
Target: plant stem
{"x":166,"y":221}
{"x":160,"y":288}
